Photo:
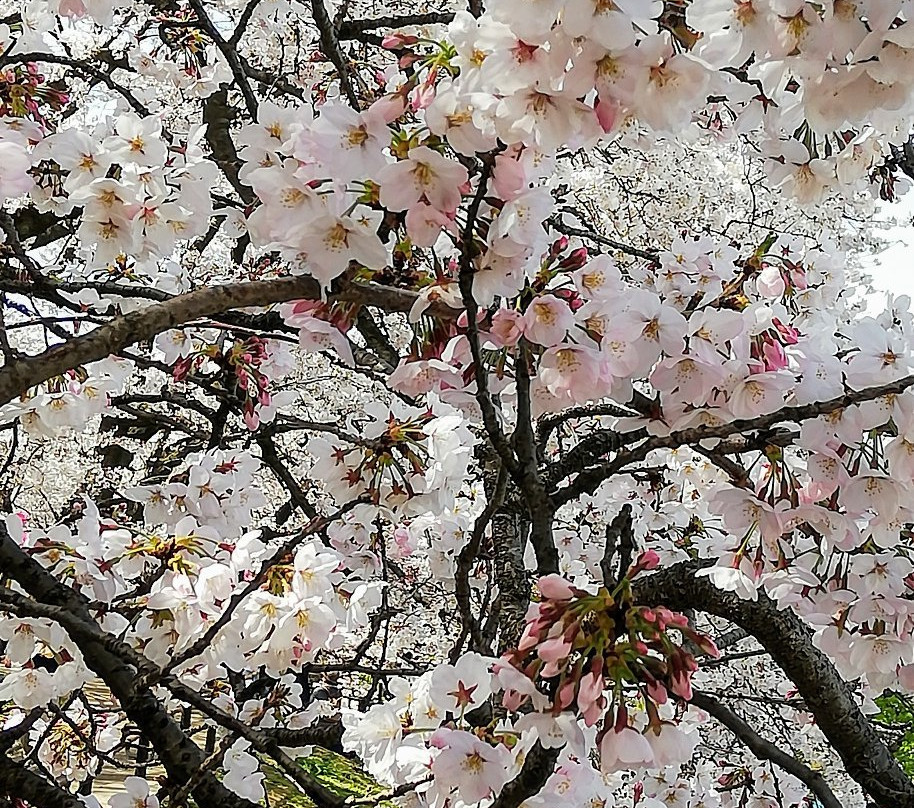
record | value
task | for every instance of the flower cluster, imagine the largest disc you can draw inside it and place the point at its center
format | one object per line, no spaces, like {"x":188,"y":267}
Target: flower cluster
{"x":407,"y":459}
{"x":25,"y":93}
{"x":529,"y":323}
{"x":578,"y":646}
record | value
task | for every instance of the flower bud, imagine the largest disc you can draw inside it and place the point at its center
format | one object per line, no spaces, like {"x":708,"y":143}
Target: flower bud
{"x":396,"y":40}
{"x":555,"y":587}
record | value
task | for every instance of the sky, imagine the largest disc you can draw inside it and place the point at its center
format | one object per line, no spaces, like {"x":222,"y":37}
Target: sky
{"x":893,"y":269}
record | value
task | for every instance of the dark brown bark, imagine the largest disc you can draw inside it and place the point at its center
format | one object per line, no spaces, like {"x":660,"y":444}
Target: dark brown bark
{"x":789,"y":642}
{"x":19,"y":783}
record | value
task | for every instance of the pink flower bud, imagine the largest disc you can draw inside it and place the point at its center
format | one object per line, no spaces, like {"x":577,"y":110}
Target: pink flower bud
{"x":558,"y":246}
{"x":512,"y":700}
{"x":395,"y":40}
{"x":462,"y":319}
{"x":774,"y":356}
{"x":788,"y":334}
{"x":590,"y":696}
{"x":681,"y":684}
{"x":422,"y":96}
{"x":565,"y":695}
{"x":554,"y":650}
{"x":389,"y":107}
{"x":181,"y":370}
{"x":576,"y":260}
{"x":607,"y":111}
{"x":555,"y":587}
{"x":648,"y":560}
{"x":530,"y":637}
{"x":657,"y":692}
{"x":906,"y":677}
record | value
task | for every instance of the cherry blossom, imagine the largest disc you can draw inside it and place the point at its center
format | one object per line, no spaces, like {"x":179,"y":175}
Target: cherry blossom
{"x":445,"y":388}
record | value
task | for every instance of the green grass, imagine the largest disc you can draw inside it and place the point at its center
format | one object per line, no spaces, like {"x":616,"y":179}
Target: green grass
{"x":337,"y":773}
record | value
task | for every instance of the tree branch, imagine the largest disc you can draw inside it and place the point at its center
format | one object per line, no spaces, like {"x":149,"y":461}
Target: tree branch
{"x":766,"y":750}
{"x":788,"y":641}
{"x":229,"y":54}
{"x":330,"y":45}
{"x":590,"y":478}
{"x":19,"y":783}
{"x":179,"y":755}
{"x":350,"y":29}
{"x":145,"y":323}
{"x":537,"y":769}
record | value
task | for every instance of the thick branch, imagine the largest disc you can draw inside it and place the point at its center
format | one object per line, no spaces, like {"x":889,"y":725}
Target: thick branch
{"x":330,"y":45}
{"x":179,"y":755}
{"x":536,"y":498}
{"x":19,"y":783}
{"x":145,"y":323}
{"x":350,"y":29}
{"x":326,"y":733}
{"x":218,"y":116}
{"x":537,"y":769}
{"x":787,"y":639}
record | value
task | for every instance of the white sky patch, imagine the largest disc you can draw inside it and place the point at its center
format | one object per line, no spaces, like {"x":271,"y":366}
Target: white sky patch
{"x":892,"y":270}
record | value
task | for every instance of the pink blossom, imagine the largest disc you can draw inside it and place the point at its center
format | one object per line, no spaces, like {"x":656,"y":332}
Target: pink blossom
{"x":608,"y":113}
{"x":590,"y":694}
{"x":648,"y":560}
{"x":510,"y":176}
{"x":467,"y":765}
{"x":423,"y":174}
{"x":14,"y":167}
{"x":507,"y":328}
{"x":425,"y":223}
{"x":671,"y":746}
{"x":624,"y":749}
{"x":547,"y":320}
{"x":389,"y":107}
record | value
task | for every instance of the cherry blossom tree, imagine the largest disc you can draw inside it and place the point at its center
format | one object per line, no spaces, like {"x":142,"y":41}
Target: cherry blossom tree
{"x":486,"y":397}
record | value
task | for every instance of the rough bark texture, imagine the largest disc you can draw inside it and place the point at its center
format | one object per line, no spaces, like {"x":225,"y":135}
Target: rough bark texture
{"x":537,"y":769}
{"x":19,"y":783}
{"x":787,"y":639}
{"x":509,"y":528}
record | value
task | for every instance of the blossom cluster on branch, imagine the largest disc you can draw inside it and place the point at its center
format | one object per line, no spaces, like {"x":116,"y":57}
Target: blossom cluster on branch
{"x":413,"y":424}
